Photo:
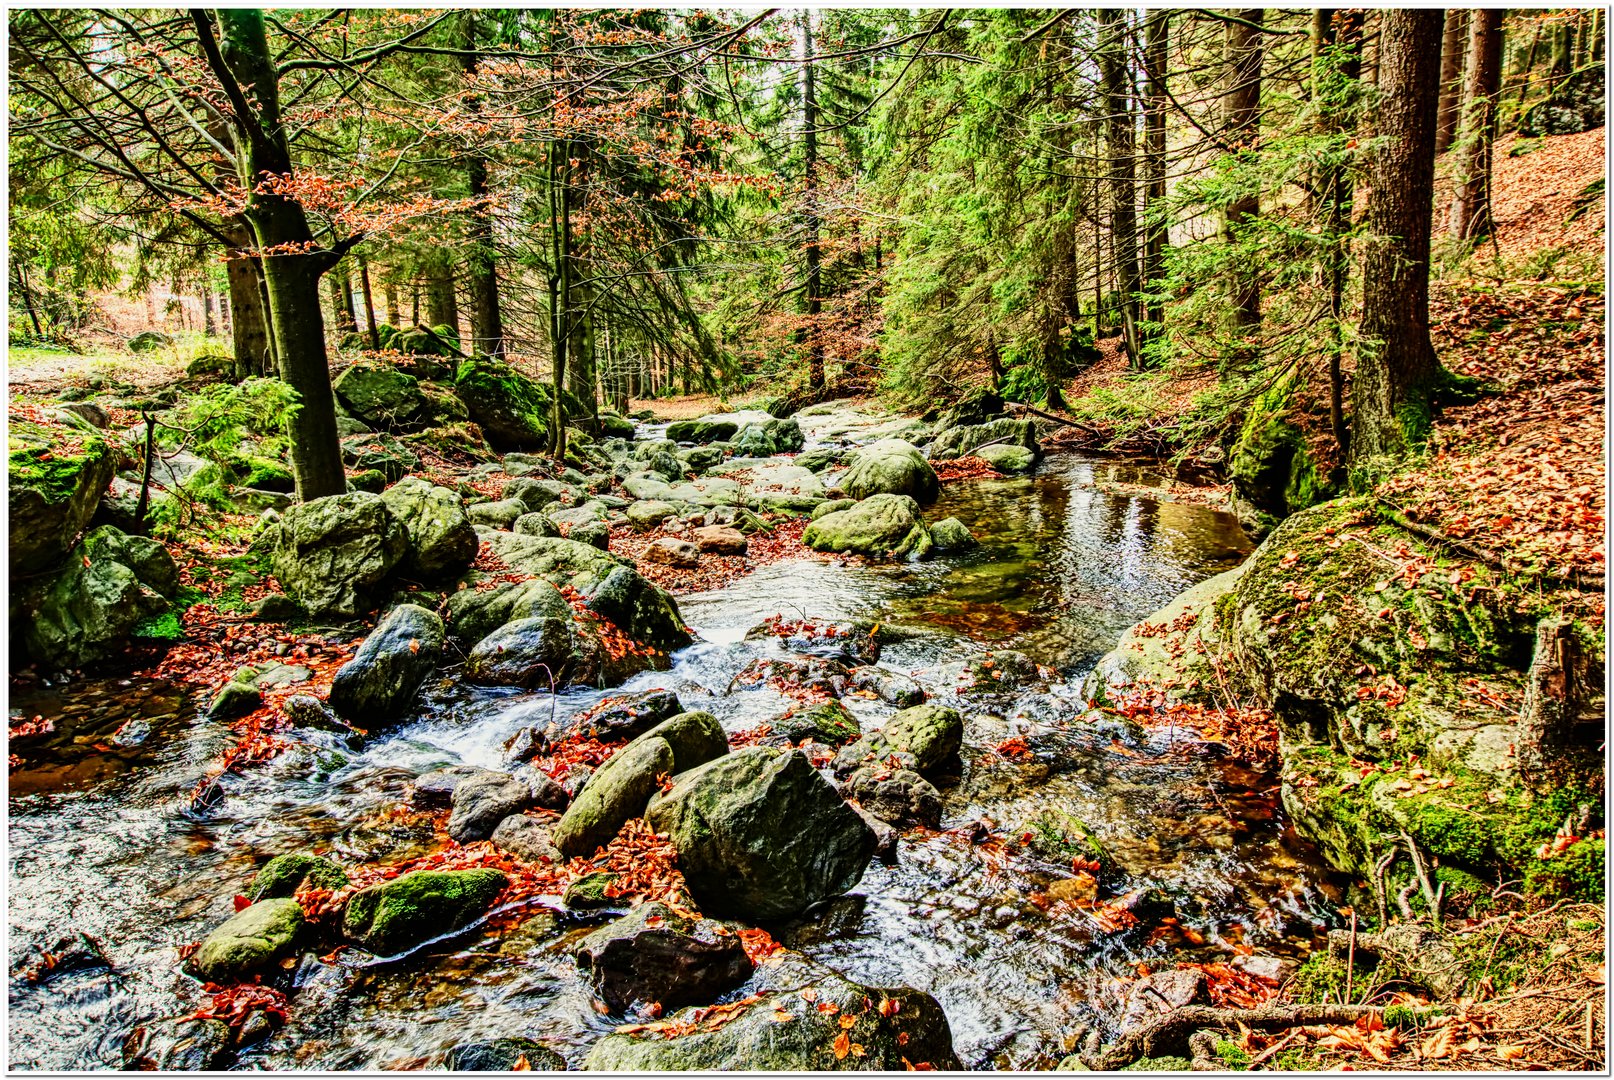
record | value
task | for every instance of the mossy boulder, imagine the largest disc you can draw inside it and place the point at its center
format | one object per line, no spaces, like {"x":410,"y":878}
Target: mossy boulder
{"x":57,"y":472}
{"x":380,"y":395}
{"x":891,"y":467}
{"x":616,"y":792}
{"x":768,"y":438}
{"x":933,"y":734}
{"x":1173,"y":650}
{"x":513,"y":410}
{"x":442,"y":540}
{"x":395,"y":916}
{"x":880,"y":526}
{"x":1575,"y":105}
{"x":706,"y":429}
{"x":115,"y":588}
{"x":1007,"y":457}
{"x":762,"y":835}
{"x":283,"y":875}
{"x":253,"y":940}
{"x":892,"y":1029}
{"x":540,"y":644}
{"x":336,"y":555}
{"x":382,"y":679}
{"x":695,"y":737}
{"x":1272,"y":469}
{"x":959,"y":441}
{"x":952,"y":535}
{"x":385,"y":453}
{"x":828,"y":722}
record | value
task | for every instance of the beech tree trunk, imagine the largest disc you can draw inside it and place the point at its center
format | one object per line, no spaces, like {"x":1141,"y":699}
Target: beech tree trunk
{"x":245,"y":67}
{"x":249,"y":331}
{"x":1119,"y":136}
{"x":1241,"y":111}
{"x":1453,"y":43}
{"x":370,"y":328}
{"x":1471,"y":196}
{"x":441,"y":307}
{"x":1397,"y":369}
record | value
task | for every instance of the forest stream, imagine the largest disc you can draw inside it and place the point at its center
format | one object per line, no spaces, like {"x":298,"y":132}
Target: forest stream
{"x":100,"y":844}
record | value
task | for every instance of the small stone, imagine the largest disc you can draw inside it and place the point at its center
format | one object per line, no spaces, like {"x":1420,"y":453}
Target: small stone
{"x":721,"y":540}
{"x":671,"y":552}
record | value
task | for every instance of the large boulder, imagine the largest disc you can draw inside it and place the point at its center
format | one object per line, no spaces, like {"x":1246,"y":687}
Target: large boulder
{"x":768,"y":438}
{"x":254,"y":939}
{"x":442,"y":540}
{"x":114,"y":588}
{"x":544,"y":645}
{"x":891,"y":467}
{"x":880,"y":526}
{"x":695,"y":738}
{"x":627,"y":716}
{"x":336,"y":555}
{"x":514,"y":411}
{"x":656,"y":954}
{"x":1575,"y":105}
{"x":956,"y":442}
{"x":380,"y":395}
{"x":57,"y":472}
{"x":706,"y":429}
{"x":617,"y":792}
{"x":834,"y":1024}
{"x":381,"y":680}
{"x":395,"y":916}
{"x":762,"y":835}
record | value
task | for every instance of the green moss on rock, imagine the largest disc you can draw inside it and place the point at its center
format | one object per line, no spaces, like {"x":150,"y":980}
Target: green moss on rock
{"x":398,"y":915}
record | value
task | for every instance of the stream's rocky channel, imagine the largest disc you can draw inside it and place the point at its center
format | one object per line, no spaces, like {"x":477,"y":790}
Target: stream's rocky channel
{"x":967,"y":913}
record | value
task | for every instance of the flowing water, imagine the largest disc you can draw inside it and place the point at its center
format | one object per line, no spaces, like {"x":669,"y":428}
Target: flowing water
{"x":99,"y":844}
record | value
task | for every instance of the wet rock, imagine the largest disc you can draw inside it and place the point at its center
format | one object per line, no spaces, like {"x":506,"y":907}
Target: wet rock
{"x":527,"y":838}
{"x":994,"y":672}
{"x":885,"y":837}
{"x":616,"y":792}
{"x":881,"y":526}
{"x":671,"y":552}
{"x":235,"y":698}
{"x":436,"y":788}
{"x":547,"y":792}
{"x":891,"y":467}
{"x":54,"y":488}
{"x":500,"y":514}
{"x":721,"y":540}
{"x":896,"y":1027}
{"x":474,"y":613}
{"x":254,"y":939}
{"x":1161,"y":992}
{"x":588,"y":893}
{"x":481,"y":802}
{"x":336,"y":555}
{"x":536,"y":524}
{"x":830,"y":723}
{"x":695,"y":738}
{"x":442,"y":540}
{"x":629,"y":715}
{"x":283,"y":875}
{"x":504,"y":1055}
{"x":536,"y":494}
{"x":541,"y":645}
{"x":762,"y":835}
{"x":177,"y":1046}
{"x":92,"y":608}
{"x":304,"y":711}
{"x":899,"y":796}
{"x":951,"y":534}
{"x":394,"y":916}
{"x":892,"y":687}
{"x":933,"y":734}
{"x":526,"y":744}
{"x":382,"y":679}
{"x":655,"y":954}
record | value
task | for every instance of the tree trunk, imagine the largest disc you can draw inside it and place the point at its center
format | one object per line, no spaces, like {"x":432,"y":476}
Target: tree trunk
{"x":370,"y":328}
{"x":248,"y":330}
{"x":1332,"y":93}
{"x":414,"y":302}
{"x":390,"y":289}
{"x":1529,"y":66}
{"x":441,"y":307}
{"x":1397,"y":368}
{"x":1562,"y":44}
{"x":1452,"y":45}
{"x":1471,"y":189}
{"x":1119,"y":135}
{"x":1157,"y":31}
{"x":1241,"y":112}
{"x":487,"y":323}
{"x":28,"y":300}
{"x":809,"y":122}
{"x":279,"y":225}
{"x":560,"y":168}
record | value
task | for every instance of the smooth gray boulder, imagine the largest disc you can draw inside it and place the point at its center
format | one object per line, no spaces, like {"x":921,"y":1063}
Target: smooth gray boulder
{"x":382,"y":679}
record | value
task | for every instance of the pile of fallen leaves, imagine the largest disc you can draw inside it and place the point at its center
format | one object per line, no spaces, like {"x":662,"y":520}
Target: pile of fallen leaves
{"x":233,"y":1004}
{"x":617,"y":643}
{"x":779,"y":542}
{"x":963,"y":468}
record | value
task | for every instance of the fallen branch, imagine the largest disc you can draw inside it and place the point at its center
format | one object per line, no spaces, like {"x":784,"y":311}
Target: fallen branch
{"x":1169,"y":1034}
{"x":1067,"y":421}
{"x":1486,"y":555}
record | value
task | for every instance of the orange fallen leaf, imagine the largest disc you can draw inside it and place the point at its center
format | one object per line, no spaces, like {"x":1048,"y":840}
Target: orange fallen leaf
{"x":842,"y":1047}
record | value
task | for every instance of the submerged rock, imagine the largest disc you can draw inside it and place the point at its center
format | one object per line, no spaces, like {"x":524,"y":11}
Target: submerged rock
{"x":188,"y":1045}
{"x":656,"y":954}
{"x":761,"y":835}
{"x":898,"y":796}
{"x":504,"y":1055}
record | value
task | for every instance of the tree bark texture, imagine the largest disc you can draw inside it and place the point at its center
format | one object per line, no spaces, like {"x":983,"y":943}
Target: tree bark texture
{"x":809,"y":120}
{"x":1453,"y":44}
{"x":1156,"y":32}
{"x":1241,"y":111}
{"x":1119,"y":136}
{"x":1471,"y":188}
{"x":487,"y":322}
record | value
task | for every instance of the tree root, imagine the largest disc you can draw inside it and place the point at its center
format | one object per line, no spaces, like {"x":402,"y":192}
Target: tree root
{"x":1173,"y":1033}
{"x":1579,"y":580}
